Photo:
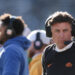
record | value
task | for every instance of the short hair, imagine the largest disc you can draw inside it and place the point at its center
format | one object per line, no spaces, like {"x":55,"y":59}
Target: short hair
{"x":59,"y":17}
{"x":18,"y":24}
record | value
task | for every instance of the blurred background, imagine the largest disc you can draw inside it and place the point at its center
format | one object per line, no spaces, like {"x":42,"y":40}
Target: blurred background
{"x":35,"y":12}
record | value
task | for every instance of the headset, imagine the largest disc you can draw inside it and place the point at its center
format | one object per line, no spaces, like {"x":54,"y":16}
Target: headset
{"x":38,"y":42}
{"x":10,"y":31}
{"x":48,"y":28}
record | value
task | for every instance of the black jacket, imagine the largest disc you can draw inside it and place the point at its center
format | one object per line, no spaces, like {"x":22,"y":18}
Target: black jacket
{"x":58,"y":63}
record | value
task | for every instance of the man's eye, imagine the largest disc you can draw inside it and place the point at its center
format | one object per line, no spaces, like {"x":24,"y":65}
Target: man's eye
{"x":56,"y":30}
{"x":65,"y":30}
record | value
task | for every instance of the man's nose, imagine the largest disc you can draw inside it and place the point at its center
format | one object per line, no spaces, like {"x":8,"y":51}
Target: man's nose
{"x":61,"y":34}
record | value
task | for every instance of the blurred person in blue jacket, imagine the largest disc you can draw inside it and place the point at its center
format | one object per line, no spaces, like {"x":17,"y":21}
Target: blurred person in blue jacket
{"x":13,"y":55}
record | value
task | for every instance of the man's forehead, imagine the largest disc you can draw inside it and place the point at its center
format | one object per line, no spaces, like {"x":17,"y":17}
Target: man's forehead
{"x":63,"y":24}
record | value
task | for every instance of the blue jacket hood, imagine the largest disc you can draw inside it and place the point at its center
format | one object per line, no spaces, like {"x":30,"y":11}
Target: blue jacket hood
{"x":20,"y":40}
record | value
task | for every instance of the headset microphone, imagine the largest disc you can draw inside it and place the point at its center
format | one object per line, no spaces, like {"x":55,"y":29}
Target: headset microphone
{"x":67,"y":42}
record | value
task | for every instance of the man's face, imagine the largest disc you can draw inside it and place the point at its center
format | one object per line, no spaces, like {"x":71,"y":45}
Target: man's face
{"x":2,"y":33}
{"x":61,"y":32}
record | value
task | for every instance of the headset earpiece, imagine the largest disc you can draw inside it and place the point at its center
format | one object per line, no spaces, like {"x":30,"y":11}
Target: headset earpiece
{"x":48,"y":31}
{"x":38,"y":42}
{"x":10,"y":32}
{"x":48,"y":28}
{"x":73,"y":28}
